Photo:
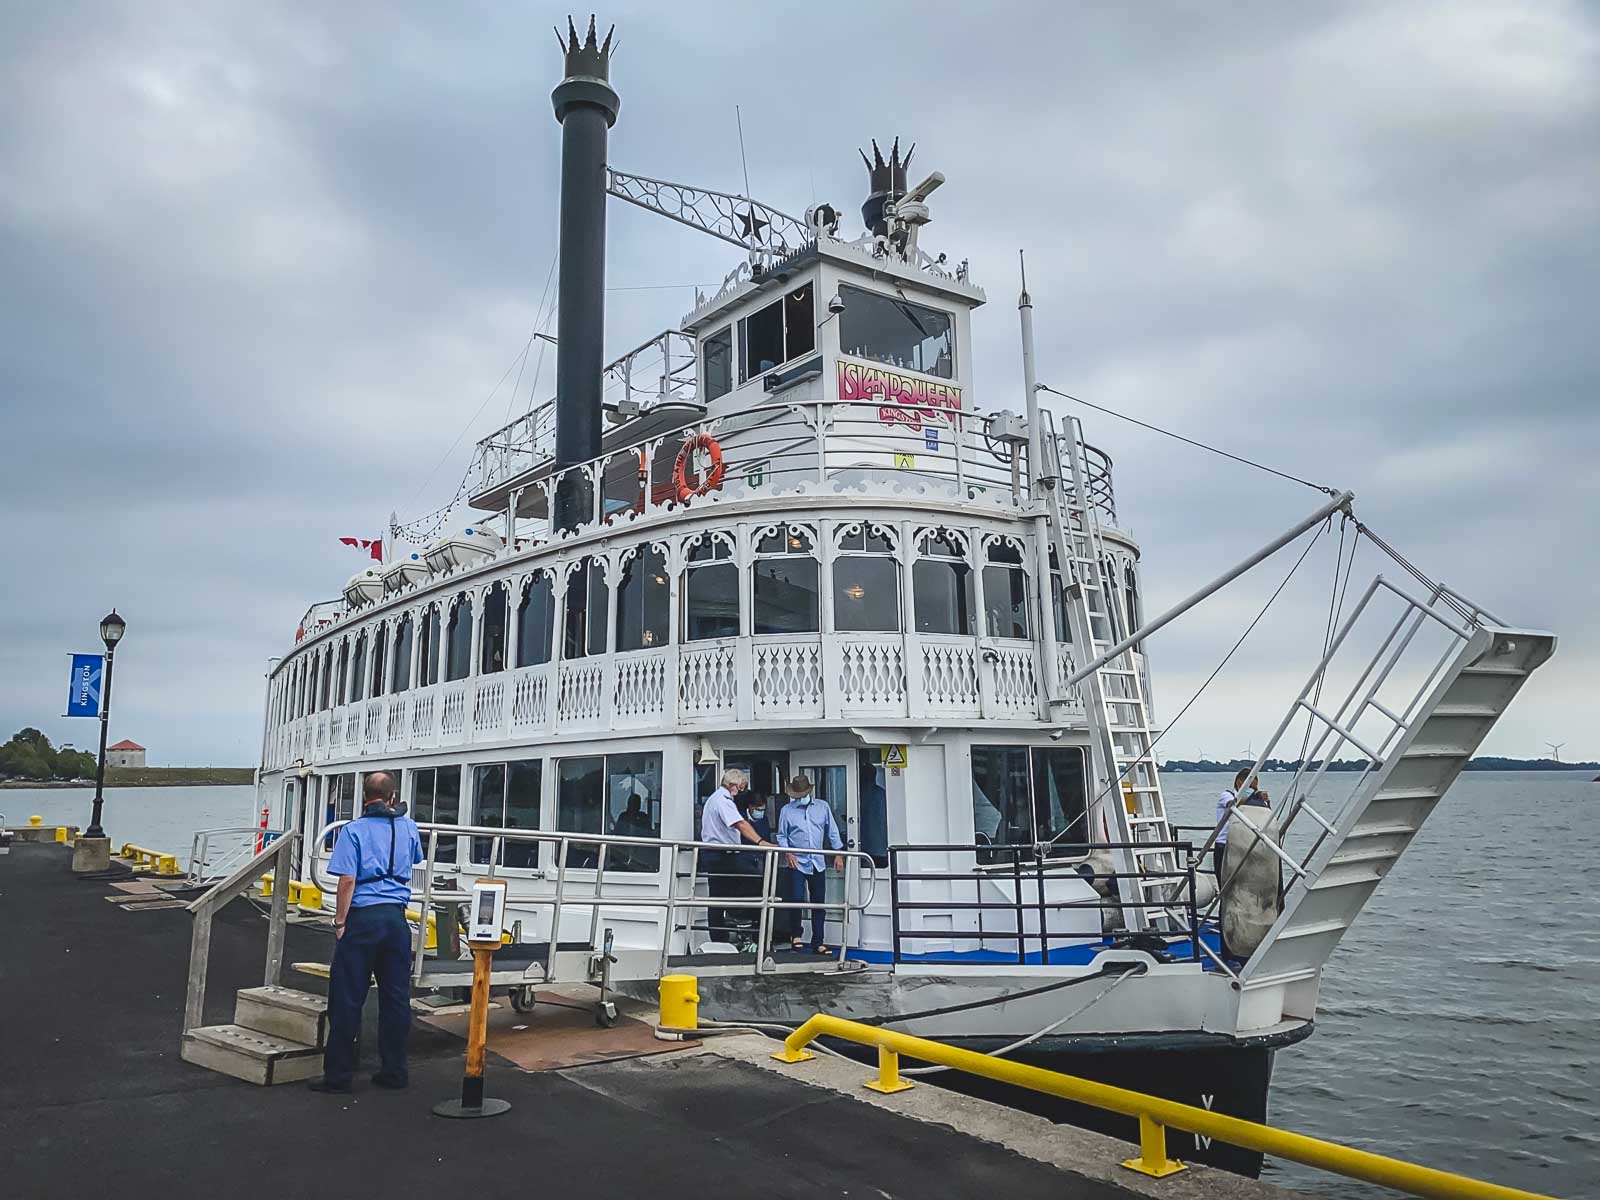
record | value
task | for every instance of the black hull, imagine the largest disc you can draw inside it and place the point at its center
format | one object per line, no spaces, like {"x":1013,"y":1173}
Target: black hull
{"x":1230,"y":1079}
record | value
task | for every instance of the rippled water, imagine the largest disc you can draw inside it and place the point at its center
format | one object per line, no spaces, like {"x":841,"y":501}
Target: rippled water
{"x":1458,"y":1022}
{"x":1457,"y":1026}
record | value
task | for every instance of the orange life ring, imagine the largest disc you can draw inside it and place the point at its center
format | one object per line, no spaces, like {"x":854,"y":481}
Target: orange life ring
{"x":713,"y":479}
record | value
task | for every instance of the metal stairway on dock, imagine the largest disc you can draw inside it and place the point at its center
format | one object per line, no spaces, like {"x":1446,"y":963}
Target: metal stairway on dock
{"x":1115,"y":704}
{"x":1424,"y":745}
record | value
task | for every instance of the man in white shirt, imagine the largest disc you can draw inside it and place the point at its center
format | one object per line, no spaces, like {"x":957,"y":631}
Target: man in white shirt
{"x":724,"y":825}
{"x":1224,"y":811}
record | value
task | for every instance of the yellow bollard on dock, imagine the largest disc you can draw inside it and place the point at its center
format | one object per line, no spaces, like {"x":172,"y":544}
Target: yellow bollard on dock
{"x":35,"y":820}
{"x":680,"y":1002}
{"x":61,"y":833}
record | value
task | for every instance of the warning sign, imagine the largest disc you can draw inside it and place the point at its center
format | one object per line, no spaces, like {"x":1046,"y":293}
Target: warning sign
{"x":894,"y":756}
{"x":905,"y":461}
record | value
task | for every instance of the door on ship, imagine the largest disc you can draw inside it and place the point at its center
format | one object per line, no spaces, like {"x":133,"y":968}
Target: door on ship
{"x":832,"y":777}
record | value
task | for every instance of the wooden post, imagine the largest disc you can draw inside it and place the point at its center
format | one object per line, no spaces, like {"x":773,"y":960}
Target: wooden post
{"x":473,"y":1103}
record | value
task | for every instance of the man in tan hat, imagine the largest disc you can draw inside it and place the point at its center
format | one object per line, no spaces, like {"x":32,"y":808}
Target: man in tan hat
{"x":808,"y":824}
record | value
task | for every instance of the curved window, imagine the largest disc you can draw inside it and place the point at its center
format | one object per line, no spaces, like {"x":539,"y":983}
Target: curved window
{"x":587,"y":603}
{"x":642,"y":619}
{"x":536,"y":620}
{"x":341,"y":685}
{"x":358,"y":668}
{"x":492,"y":651}
{"x":898,"y":332}
{"x":380,"y":639}
{"x":710,"y":590}
{"x":428,"y":654}
{"x":458,"y":639}
{"x":787,"y":598}
{"x":400,"y":675}
{"x":866,"y":581}
{"x":941,"y":584}
{"x":1005,"y":591}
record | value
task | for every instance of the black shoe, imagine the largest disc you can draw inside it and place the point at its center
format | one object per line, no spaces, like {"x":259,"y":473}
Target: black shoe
{"x":321,"y":1084}
{"x":394,"y":1083}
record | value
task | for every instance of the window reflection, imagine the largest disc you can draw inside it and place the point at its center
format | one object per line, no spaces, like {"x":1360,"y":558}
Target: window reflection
{"x":536,"y":620}
{"x":890,"y":330}
{"x":1005,"y":592}
{"x":710,"y":590}
{"x":642,"y":597}
{"x":458,"y":639}
{"x":941,"y":585}
{"x":492,"y":650}
{"x":587,"y":607}
{"x":866,"y":582}
{"x":786,"y":595}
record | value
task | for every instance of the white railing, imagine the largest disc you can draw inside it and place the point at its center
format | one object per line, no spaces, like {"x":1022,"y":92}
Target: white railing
{"x":774,"y":680}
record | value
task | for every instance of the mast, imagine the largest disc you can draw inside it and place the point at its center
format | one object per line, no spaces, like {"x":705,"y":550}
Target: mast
{"x":586,"y":108}
{"x":1039,"y":484}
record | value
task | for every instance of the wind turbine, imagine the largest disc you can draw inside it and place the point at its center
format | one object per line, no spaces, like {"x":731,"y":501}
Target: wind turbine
{"x":1555,"y":749}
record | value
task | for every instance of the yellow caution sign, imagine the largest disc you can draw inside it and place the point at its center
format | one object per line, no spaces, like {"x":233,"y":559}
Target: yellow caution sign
{"x":894,"y":756}
{"x":905,"y":461}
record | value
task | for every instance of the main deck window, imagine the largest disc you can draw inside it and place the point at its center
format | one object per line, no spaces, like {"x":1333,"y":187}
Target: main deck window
{"x":436,"y":797}
{"x":785,"y":329}
{"x":458,"y":639}
{"x":710,"y":589}
{"x":890,"y":330}
{"x":642,"y":618}
{"x":507,"y":795}
{"x":492,"y":651}
{"x":866,"y":581}
{"x":587,"y":606}
{"x":342,"y":684}
{"x":536,"y":620}
{"x":1027,"y":796}
{"x":327,"y":678}
{"x":941,"y":584}
{"x":611,"y":794}
{"x":400,"y":676}
{"x":428,"y":666}
{"x":787,"y":595}
{"x":1005,"y":591}
{"x":358,"y":668}
{"x":380,"y":639}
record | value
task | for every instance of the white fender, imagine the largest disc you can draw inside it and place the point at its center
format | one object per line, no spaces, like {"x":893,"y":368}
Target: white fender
{"x":1252,"y":897}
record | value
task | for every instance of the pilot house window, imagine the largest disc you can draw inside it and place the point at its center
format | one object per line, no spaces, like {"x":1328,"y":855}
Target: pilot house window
{"x":1023,"y":797}
{"x":772,"y":336}
{"x":717,"y":369}
{"x":889,"y":330}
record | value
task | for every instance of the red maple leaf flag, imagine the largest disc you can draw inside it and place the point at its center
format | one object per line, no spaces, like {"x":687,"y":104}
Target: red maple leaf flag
{"x":375,"y":548}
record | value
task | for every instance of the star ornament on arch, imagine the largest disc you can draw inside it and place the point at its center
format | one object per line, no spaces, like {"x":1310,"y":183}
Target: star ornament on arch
{"x":753,"y":225}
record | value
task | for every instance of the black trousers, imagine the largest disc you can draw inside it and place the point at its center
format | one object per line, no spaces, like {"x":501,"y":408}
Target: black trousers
{"x":729,"y":880}
{"x":376,"y":942}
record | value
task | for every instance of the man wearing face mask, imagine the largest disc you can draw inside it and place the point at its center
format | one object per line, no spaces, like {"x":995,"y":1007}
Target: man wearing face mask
{"x":373,"y":859}
{"x":807,"y":824}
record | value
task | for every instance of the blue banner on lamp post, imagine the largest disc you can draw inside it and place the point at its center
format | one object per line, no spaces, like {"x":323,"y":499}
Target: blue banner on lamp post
{"x":87,"y":671}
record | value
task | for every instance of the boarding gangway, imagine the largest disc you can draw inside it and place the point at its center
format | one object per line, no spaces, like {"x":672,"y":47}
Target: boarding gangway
{"x":1413,"y":713}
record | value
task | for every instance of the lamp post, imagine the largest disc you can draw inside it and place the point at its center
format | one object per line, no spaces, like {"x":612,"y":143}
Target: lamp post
{"x":112,"y":628}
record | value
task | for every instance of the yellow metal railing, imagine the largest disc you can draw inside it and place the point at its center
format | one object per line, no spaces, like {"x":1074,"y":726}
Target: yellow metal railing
{"x":1154,"y":1114}
{"x":152,"y":860}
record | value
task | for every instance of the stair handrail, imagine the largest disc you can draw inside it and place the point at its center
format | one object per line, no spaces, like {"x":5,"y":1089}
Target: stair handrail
{"x":277,"y":856}
{"x":200,"y":847}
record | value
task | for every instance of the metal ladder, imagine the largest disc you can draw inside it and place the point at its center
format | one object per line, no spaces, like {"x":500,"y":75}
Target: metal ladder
{"x":1114,"y":697}
{"x":1424,"y":744}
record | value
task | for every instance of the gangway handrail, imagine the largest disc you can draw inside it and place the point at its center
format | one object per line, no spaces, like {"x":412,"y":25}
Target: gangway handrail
{"x":597,"y":899}
{"x":277,"y":856}
{"x":1154,"y":1113}
{"x":200,"y":845}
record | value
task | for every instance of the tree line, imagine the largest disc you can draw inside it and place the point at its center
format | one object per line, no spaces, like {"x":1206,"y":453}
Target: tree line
{"x":29,"y":755}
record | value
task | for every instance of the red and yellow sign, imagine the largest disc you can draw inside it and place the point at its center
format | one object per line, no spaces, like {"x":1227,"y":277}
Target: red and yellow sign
{"x":903,"y":399}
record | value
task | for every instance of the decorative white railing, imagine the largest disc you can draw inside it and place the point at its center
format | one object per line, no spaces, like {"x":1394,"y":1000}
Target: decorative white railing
{"x":778,"y":680}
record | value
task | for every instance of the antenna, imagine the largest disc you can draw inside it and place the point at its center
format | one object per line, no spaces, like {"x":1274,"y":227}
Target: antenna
{"x":1555,"y":749}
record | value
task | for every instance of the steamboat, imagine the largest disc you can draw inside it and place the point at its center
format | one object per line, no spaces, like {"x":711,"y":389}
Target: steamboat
{"x":794,"y":537}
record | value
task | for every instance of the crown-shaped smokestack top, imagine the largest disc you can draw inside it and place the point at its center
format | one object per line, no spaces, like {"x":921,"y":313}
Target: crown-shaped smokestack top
{"x":588,"y":55}
{"x":887,"y":181}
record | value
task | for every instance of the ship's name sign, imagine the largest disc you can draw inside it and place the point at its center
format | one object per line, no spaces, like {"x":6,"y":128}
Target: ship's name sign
{"x":903,"y":399}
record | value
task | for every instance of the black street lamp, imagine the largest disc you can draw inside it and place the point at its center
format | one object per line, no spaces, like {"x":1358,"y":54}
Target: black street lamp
{"x":111,"y":631}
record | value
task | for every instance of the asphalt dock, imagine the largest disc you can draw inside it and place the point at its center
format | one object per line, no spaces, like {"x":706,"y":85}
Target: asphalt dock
{"x":94,"y":1098}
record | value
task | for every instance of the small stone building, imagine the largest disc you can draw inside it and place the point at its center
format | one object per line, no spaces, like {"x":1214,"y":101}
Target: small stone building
{"x":125,"y":754}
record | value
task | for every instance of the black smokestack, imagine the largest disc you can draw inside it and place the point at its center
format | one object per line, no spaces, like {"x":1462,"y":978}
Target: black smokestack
{"x":586,"y":107}
{"x":887,"y":181}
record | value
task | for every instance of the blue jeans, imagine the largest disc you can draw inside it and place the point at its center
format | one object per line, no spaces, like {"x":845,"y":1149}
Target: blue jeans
{"x":799,"y":884}
{"x":376,"y":942}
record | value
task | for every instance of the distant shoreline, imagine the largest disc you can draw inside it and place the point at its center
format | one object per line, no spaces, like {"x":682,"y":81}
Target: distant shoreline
{"x":117,"y":777}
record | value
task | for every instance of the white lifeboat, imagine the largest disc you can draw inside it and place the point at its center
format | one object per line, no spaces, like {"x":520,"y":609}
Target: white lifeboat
{"x":364,"y":587}
{"x":401,"y":574}
{"x":472,"y":545}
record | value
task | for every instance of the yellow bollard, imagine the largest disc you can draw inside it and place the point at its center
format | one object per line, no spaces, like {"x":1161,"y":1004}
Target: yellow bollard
{"x":679,"y":1002}
{"x":35,"y":820}
{"x":888,"y":1081}
{"x":266,"y":884}
{"x":310,"y":898}
{"x":61,"y":833}
{"x":1153,"y":1158}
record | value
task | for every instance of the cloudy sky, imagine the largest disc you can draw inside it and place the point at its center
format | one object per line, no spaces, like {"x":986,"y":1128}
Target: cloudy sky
{"x":264,"y":264}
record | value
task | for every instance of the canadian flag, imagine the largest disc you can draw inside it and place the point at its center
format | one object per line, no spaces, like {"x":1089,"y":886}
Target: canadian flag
{"x":375,"y":548}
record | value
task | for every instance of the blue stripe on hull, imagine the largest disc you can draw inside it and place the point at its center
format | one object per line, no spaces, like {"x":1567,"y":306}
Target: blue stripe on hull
{"x":1077,"y":954}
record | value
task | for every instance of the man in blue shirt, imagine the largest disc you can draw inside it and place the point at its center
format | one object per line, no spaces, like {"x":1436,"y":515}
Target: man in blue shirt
{"x":808,"y":824}
{"x":373,"y":859}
